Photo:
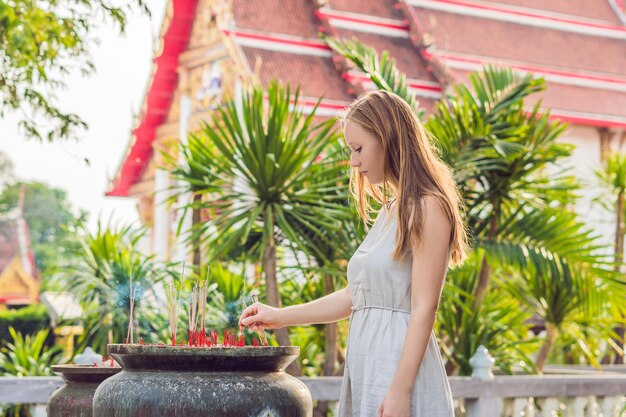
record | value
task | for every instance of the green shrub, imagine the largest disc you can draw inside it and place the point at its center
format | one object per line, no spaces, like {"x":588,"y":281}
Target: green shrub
{"x":27,"y":355}
{"x":27,"y":320}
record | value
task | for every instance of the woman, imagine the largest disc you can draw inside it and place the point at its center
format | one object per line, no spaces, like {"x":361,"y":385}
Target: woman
{"x":393,"y":366}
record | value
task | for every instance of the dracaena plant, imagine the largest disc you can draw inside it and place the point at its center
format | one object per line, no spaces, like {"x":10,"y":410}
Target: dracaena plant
{"x":100,"y":279}
{"x":255,"y":171}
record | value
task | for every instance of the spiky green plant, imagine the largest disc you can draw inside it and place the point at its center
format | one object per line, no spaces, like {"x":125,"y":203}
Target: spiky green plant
{"x":612,"y":179}
{"x":255,"y":167}
{"x":100,"y":277}
{"x":28,"y":355}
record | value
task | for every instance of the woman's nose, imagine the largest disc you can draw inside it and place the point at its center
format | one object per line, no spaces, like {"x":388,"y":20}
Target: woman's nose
{"x":353,"y":162}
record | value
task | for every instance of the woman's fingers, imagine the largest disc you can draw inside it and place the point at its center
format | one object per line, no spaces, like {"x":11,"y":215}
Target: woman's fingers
{"x":259,"y":316}
{"x":253,"y":317}
{"x":249,"y":311}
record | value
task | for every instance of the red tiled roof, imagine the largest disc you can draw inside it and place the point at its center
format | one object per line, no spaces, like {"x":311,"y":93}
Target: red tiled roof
{"x":577,"y":99}
{"x":321,"y":78}
{"x":583,"y":100}
{"x":601,"y":9}
{"x":291,"y":17}
{"x":407,"y":58}
{"x":380,"y":8}
{"x":497,"y":40}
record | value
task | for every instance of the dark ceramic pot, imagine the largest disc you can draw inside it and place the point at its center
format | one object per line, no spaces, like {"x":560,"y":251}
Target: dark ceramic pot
{"x":189,"y":382}
{"x":74,"y":398}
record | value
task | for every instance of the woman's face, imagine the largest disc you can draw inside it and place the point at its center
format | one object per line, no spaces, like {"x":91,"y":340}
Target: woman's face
{"x":367,"y":155}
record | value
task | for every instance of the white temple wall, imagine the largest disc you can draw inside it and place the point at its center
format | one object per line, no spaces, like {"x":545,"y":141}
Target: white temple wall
{"x":585,"y":159}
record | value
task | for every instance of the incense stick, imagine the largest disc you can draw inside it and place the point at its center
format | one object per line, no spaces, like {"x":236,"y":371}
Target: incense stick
{"x":173,"y":304}
{"x":131,"y":294}
{"x":255,"y":299}
{"x":192,"y":313}
{"x":243,"y":307}
{"x":203,"y":301}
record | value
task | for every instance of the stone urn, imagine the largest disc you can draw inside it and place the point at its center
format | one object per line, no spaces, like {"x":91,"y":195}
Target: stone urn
{"x":74,"y":398}
{"x":212,"y":381}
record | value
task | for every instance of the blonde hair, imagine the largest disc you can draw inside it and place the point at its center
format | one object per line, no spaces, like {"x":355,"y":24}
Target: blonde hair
{"x":411,"y":170}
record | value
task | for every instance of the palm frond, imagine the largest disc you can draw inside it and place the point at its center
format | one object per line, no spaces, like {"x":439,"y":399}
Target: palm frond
{"x":380,"y":69}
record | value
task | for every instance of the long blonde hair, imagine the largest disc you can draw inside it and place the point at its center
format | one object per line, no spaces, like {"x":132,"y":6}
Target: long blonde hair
{"x":411,"y":170}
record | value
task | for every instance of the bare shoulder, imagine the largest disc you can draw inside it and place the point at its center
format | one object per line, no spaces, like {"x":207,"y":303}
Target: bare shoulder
{"x":432,"y":207}
{"x":434,"y":216}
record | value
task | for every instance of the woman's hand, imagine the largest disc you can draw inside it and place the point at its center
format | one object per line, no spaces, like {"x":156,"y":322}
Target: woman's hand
{"x":395,"y":404}
{"x":260,"y":316}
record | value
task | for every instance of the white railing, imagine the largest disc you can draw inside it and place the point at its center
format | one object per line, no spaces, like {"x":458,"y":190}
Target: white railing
{"x":591,"y":394}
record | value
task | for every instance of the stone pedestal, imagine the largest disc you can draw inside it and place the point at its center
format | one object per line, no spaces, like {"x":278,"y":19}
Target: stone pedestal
{"x":191,"y":381}
{"x":74,"y":398}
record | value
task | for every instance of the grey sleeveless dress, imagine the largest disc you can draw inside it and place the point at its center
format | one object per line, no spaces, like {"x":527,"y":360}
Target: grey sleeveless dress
{"x":381,"y":302}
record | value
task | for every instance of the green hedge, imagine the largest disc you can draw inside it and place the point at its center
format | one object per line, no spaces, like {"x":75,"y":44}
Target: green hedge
{"x":27,"y":320}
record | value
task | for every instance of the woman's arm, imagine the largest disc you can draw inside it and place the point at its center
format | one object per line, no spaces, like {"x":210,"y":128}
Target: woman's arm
{"x":328,"y":309}
{"x":428,"y":271}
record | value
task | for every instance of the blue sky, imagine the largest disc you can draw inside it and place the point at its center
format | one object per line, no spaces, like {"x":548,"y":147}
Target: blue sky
{"x":107,"y":101}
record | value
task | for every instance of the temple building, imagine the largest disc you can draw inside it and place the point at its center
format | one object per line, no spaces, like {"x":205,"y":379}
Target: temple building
{"x":19,"y":283}
{"x":210,"y":48}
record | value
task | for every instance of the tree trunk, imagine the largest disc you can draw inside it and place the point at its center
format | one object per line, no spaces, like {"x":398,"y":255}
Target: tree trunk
{"x":482,"y":286}
{"x":330,"y":335}
{"x":619,"y":257}
{"x":484,"y":277}
{"x":552,"y":333}
{"x":330,"y":348}
{"x":619,"y":230}
{"x":450,"y":367}
{"x":619,"y":356}
{"x":341,"y":361}
{"x":196,"y":219}
{"x":273,"y":299}
{"x":319,"y":412}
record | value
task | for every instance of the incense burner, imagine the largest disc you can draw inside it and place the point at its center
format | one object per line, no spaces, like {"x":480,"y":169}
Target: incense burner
{"x":202,"y":381}
{"x":74,"y":398}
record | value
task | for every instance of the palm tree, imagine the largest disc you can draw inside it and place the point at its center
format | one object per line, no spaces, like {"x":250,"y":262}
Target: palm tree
{"x":573,"y":298}
{"x":506,"y":163}
{"x":501,"y":324}
{"x":100,"y":277}
{"x":191,"y":170}
{"x":612,"y":178}
{"x":497,"y":151}
{"x":256,"y":167}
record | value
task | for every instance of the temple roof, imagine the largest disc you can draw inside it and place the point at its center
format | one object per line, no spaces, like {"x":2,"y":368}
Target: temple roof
{"x":577,"y":46}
